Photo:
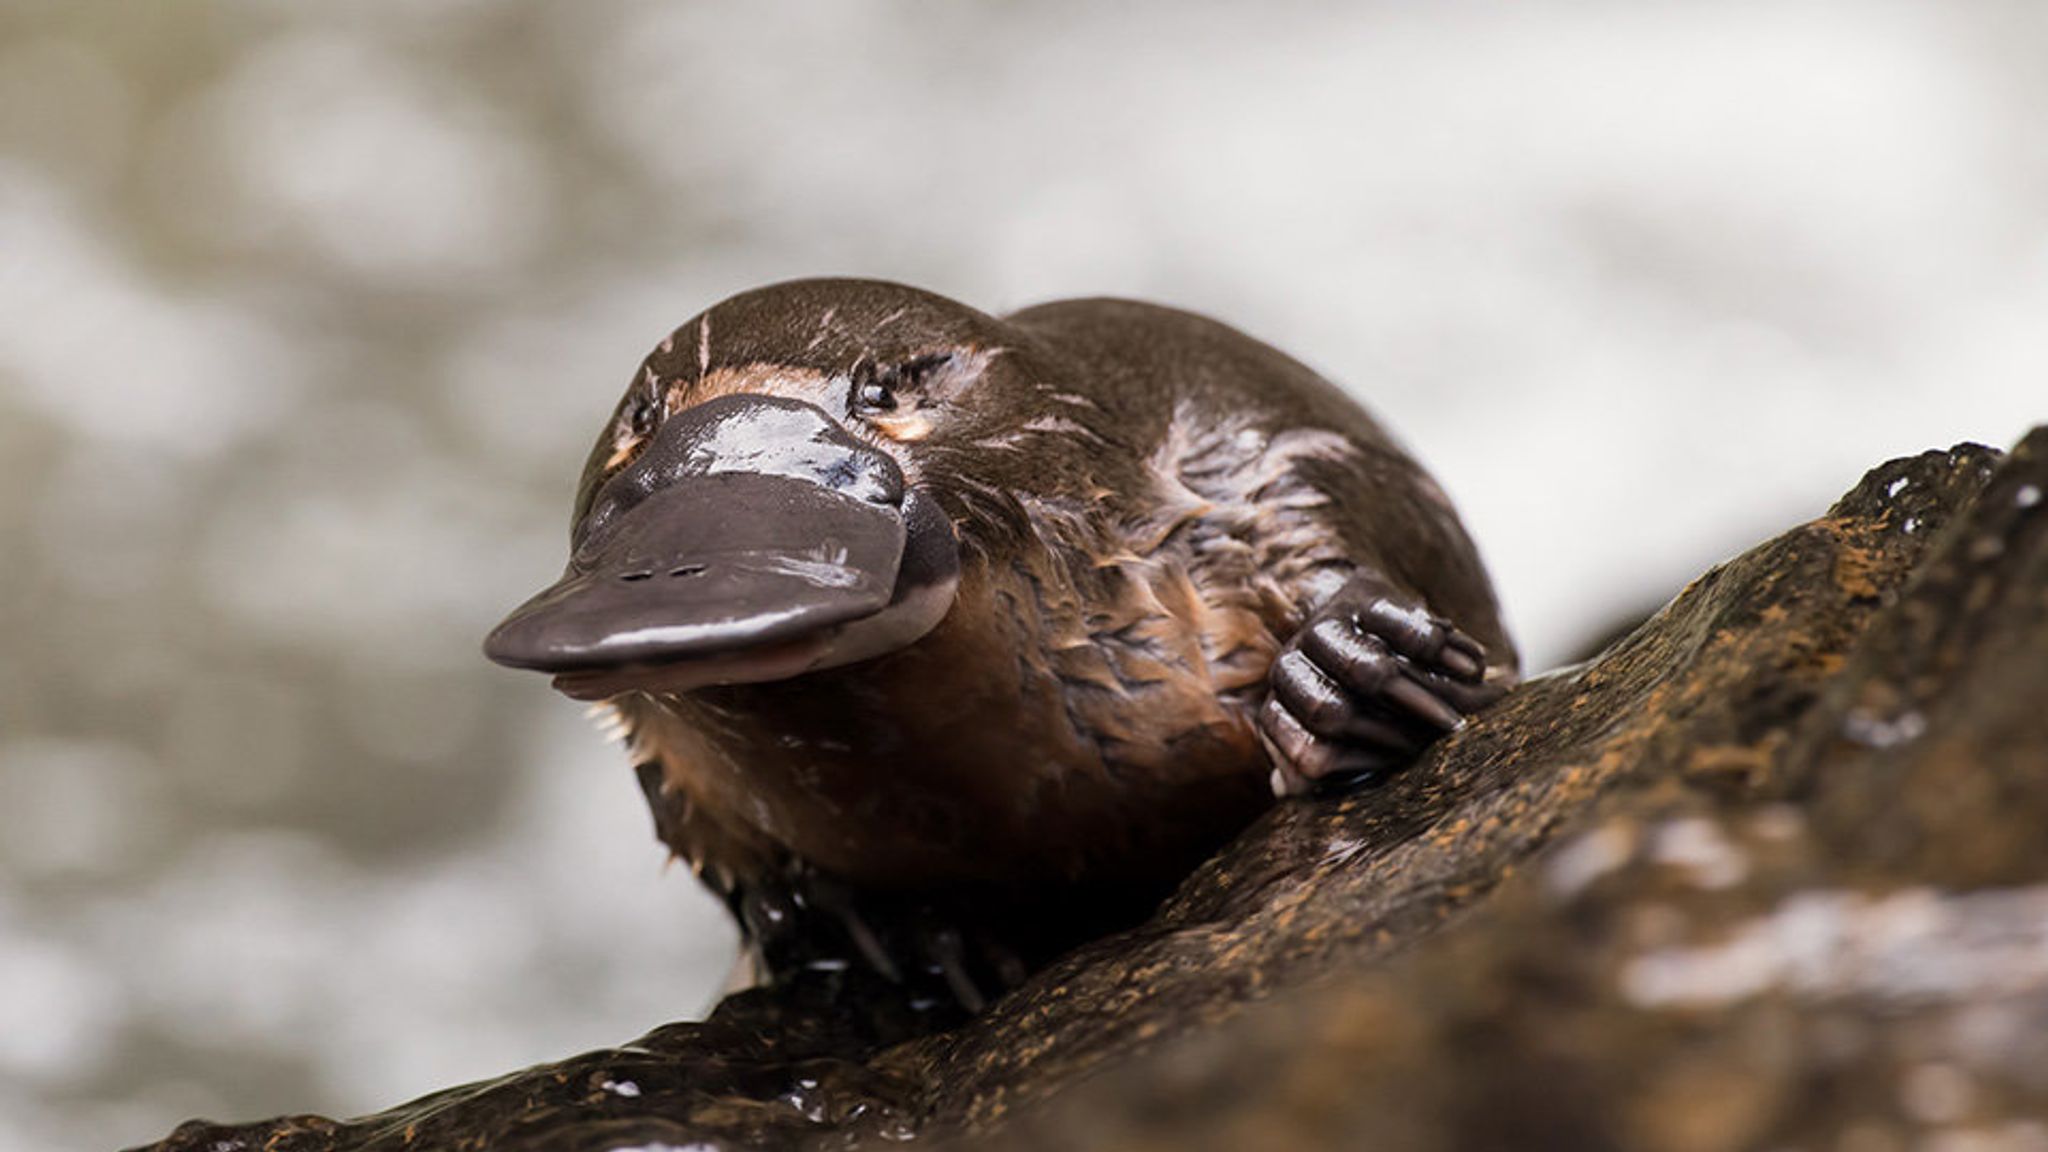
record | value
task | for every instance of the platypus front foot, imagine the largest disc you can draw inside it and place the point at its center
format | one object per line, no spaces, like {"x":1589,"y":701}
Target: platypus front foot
{"x":1368,"y":681}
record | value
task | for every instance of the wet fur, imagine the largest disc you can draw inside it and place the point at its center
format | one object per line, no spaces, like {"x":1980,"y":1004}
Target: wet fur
{"x":1149,"y":504}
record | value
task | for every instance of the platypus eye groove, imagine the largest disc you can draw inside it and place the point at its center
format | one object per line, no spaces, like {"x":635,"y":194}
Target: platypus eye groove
{"x":879,"y":389}
{"x":640,"y":415}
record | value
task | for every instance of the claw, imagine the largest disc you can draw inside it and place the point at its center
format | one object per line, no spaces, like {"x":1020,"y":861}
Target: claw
{"x":1460,"y":664}
{"x":1371,"y":679}
{"x":1423,"y":703}
{"x":829,"y":898}
{"x":950,"y":958}
{"x":1466,"y":696}
{"x":1301,"y":757}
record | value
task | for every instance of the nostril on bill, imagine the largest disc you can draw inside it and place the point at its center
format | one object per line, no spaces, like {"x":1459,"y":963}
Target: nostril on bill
{"x":687,"y":570}
{"x":635,"y":577}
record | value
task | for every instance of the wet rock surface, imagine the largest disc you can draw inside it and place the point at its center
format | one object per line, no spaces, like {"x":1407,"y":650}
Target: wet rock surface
{"x":1772,"y":871}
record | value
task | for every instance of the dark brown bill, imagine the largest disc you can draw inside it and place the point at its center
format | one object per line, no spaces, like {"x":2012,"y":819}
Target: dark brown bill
{"x":727,"y":562}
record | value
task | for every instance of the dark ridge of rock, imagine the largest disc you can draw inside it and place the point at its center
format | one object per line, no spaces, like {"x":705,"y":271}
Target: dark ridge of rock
{"x":1771,"y":872}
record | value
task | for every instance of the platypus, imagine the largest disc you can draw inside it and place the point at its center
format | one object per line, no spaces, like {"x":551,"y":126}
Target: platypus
{"x":943,"y":641}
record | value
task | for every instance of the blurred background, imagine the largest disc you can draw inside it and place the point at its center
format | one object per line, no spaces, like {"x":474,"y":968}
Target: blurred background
{"x":309,"y":312}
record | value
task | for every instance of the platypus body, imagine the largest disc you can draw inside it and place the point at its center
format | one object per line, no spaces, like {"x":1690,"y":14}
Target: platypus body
{"x":944,"y":641}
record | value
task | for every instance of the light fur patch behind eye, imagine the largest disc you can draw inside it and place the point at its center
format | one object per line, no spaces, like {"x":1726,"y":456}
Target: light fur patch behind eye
{"x":907,"y":426}
{"x":623,"y":448}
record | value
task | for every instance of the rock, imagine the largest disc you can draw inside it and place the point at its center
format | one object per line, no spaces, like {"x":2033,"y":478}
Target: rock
{"x":1772,"y":871}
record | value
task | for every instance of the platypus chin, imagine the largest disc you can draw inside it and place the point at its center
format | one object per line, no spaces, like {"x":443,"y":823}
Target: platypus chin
{"x":944,"y":641}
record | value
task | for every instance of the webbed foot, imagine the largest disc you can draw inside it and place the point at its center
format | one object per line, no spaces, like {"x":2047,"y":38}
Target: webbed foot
{"x":1365,"y":685}
{"x":803,"y":921}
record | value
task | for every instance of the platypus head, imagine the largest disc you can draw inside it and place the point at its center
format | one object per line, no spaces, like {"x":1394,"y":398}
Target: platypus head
{"x":763,"y":502}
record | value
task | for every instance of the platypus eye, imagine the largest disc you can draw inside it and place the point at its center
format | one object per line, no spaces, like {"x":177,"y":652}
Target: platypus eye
{"x":882,"y":389}
{"x":640,"y":411}
{"x":872,"y":394}
{"x":643,"y":406}
{"x":638,"y":414}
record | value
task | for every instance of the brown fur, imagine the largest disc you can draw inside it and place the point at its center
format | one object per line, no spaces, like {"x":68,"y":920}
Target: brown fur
{"x":1148,"y":505}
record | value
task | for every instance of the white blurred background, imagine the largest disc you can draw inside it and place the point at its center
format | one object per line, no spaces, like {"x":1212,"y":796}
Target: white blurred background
{"x":309,"y":312}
